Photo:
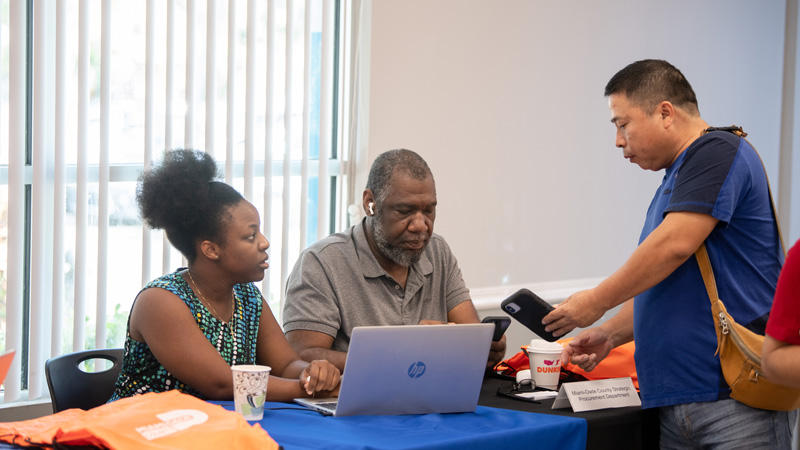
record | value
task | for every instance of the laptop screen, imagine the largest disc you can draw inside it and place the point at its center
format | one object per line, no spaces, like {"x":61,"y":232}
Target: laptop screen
{"x":414,"y":369}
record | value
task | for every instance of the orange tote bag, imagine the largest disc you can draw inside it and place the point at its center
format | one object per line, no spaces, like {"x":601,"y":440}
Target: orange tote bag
{"x":166,"y":420}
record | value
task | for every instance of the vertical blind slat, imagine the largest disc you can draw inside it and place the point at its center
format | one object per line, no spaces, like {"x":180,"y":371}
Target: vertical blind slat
{"x":82,"y":191}
{"x":306,"y":127}
{"x":249,"y":109}
{"x":38,"y":219}
{"x":287,"y":149}
{"x":166,"y":265}
{"x":353,"y":98}
{"x":325,"y":119}
{"x":269,"y":131}
{"x":211,"y":74}
{"x":149,"y":108}
{"x":103,"y":185}
{"x":16,"y":190}
{"x":229,"y":113}
{"x":169,"y":74}
{"x":59,"y":180}
{"x":188,"y":139}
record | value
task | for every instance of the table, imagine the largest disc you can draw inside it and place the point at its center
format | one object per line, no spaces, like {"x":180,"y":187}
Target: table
{"x":297,"y":428}
{"x":498,"y":422}
{"x":613,"y":428}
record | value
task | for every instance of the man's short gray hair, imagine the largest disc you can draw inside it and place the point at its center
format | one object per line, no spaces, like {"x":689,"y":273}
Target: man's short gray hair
{"x":388,"y":163}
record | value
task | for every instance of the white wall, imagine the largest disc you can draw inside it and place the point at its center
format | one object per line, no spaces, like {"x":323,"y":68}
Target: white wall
{"x":504,"y":99}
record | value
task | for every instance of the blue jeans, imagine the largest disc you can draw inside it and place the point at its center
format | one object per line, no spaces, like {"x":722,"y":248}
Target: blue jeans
{"x":725,"y":424}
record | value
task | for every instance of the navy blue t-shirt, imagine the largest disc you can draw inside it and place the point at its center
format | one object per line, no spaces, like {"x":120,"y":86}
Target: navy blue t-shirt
{"x":719,"y":174}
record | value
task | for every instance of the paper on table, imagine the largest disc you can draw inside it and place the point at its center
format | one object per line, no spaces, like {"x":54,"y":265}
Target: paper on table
{"x":538,"y":395}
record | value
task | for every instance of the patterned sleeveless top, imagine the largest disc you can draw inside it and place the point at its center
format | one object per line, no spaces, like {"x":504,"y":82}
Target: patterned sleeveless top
{"x":141,"y":372}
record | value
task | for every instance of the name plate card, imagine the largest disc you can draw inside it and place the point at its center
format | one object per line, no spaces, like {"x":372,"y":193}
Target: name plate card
{"x":597,"y":394}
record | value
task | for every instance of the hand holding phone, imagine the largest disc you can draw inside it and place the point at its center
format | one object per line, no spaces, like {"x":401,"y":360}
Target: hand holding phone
{"x":500,"y":325}
{"x":529,"y":309}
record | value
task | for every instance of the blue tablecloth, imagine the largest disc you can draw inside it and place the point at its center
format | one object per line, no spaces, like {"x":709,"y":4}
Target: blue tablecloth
{"x":295,"y":428}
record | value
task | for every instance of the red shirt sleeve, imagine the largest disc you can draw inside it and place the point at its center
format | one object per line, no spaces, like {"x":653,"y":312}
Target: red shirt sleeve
{"x":784,"y":319}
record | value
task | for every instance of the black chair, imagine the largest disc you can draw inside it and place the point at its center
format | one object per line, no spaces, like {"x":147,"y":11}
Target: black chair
{"x":71,"y":387}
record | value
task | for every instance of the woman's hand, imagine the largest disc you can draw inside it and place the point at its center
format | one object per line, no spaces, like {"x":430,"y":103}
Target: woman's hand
{"x":320,"y":376}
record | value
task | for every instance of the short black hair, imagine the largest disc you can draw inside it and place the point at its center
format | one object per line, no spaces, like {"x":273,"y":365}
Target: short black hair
{"x":648,"y":82}
{"x":387,"y":163}
{"x":181,"y":196}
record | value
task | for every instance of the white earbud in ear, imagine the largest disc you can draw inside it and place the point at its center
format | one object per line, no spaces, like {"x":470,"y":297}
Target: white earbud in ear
{"x":371,"y":211}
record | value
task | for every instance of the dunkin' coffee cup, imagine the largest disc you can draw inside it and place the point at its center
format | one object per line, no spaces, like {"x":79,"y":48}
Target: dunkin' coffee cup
{"x":545,"y":359}
{"x":250,"y":390}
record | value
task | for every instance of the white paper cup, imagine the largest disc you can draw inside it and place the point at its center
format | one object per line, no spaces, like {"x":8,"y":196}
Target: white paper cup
{"x":545,"y":360}
{"x":250,"y":390}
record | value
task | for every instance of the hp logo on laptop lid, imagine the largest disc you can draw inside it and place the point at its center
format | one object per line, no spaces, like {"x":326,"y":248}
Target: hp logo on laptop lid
{"x":415,"y":370}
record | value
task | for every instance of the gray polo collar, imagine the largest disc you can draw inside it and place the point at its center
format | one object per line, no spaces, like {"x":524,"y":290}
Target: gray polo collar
{"x":370,"y":265}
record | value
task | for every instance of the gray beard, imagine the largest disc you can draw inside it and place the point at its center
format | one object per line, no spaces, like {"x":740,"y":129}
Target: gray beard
{"x":397,"y":255}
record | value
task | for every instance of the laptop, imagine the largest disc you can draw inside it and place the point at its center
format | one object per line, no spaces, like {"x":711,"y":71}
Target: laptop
{"x":411,"y":369}
{"x":5,"y":364}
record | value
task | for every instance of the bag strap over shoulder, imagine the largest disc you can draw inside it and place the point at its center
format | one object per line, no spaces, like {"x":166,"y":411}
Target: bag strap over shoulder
{"x":702,"y":253}
{"x":708,"y":273}
{"x":738,"y":131}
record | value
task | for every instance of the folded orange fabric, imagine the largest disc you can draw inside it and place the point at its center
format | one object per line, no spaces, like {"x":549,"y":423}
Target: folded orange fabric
{"x":37,"y":432}
{"x":166,"y":420}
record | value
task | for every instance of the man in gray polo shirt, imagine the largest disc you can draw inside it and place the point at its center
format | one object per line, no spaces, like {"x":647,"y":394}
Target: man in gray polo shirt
{"x":389,"y":269}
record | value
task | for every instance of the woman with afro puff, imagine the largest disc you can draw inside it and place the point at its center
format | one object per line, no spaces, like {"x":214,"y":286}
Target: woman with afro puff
{"x":187,"y":328}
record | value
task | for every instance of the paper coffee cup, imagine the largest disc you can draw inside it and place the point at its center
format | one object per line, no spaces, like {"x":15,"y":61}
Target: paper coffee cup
{"x":250,"y":390}
{"x":545,"y":360}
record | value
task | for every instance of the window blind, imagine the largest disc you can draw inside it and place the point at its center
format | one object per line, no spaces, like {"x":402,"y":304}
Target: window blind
{"x":269,"y":64}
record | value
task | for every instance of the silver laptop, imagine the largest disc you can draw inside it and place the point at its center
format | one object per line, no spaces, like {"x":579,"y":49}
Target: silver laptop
{"x":411,"y":369}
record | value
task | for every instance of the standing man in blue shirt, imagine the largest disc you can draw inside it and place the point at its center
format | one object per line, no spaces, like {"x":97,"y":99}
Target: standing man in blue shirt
{"x":714,"y":191}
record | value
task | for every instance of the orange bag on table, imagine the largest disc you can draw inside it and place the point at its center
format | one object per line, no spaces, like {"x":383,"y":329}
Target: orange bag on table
{"x":619,"y":363}
{"x":166,"y":420}
{"x":514,"y":364}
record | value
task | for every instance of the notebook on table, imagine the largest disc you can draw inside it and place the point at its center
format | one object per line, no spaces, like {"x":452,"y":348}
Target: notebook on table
{"x":411,"y":369}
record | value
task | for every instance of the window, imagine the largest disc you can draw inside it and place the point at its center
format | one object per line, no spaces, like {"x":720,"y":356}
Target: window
{"x":106,"y":86}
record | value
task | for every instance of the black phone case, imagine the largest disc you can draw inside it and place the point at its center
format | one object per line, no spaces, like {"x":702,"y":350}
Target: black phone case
{"x":500,"y":325}
{"x":529,"y":309}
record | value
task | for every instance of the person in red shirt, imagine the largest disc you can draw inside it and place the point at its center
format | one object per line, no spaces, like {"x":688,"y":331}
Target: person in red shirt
{"x":780,"y":358}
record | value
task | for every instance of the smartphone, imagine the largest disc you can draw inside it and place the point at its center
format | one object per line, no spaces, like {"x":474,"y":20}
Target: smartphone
{"x":500,"y":325}
{"x":529,"y":309}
